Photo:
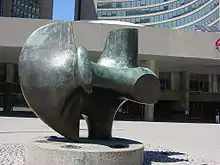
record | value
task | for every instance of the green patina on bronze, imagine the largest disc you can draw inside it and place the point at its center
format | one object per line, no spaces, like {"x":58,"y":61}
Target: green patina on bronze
{"x":60,"y":83}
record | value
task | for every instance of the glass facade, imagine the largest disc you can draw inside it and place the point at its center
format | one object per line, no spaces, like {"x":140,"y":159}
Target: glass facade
{"x":25,"y":9}
{"x":2,"y":81}
{"x":17,"y":97}
{"x":10,"y":91}
{"x":218,"y":83}
{"x":162,"y":13}
{"x":1,"y":8}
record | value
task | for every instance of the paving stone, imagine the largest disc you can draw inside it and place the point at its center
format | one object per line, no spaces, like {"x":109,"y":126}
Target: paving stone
{"x":13,"y":154}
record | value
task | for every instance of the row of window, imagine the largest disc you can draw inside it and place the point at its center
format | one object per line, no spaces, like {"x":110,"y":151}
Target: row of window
{"x":178,"y":22}
{"x":25,"y":9}
{"x":3,"y":73}
{"x":1,"y":8}
{"x":216,"y":25}
{"x":170,"y":15}
{"x":206,"y":21}
{"x":198,"y":82}
{"x":139,"y":12}
{"x":17,"y":97}
{"x":16,"y":88}
{"x":26,"y":3}
{"x":214,"y":16}
{"x":22,"y":14}
{"x":17,"y":100}
{"x":138,"y":3}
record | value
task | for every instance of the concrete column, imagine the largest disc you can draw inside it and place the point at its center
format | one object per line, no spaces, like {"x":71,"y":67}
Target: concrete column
{"x":90,"y":6}
{"x":211,"y":83}
{"x":8,"y":88}
{"x":175,"y":81}
{"x":215,"y":83}
{"x":184,"y":91}
{"x":149,"y":109}
{"x":46,"y":9}
{"x":149,"y":112}
{"x":6,"y":8}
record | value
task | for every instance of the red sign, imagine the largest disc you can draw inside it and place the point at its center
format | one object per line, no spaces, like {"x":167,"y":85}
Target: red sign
{"x":217,"y":43}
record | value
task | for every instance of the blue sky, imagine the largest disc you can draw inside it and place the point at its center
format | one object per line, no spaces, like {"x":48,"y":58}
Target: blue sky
{"x":63,"y":9}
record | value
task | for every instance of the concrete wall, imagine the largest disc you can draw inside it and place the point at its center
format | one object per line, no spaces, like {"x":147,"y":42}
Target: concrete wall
{"x":46,"y":9}
{"x":160,"y":44}
{"x":174,"y":50}
{"x":87,"y":10}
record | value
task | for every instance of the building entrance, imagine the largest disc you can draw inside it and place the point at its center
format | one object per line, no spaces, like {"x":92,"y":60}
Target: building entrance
{"x":11,"y":98}
{"x":2,"y":82}
{"x":203,"y":111}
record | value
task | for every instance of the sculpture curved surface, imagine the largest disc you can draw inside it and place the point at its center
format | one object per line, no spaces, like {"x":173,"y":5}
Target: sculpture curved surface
{"x":60,"y":83}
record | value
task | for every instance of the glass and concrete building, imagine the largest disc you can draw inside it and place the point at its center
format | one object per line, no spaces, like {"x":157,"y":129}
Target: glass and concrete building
{"x":40,"y":9}
{"x":177,"y":14}
{"x":187,"y":63}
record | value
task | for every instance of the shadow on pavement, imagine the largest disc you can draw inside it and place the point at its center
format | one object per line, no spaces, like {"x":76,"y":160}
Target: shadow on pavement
{"x":18,"y":114}
{"x":162,"y":157}
{"x":11,"y":132}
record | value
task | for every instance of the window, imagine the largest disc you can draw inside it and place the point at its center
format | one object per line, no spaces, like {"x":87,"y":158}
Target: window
{"x":133,"y":4}
{"x":157,"y":18}
{"x":174,"y":23}
{"x":2,"y":78}
{"x":161,"y":17}
{"x":17,"y":97}
{"x":199,"y":82}
{"x":138,"y":20}
{"x":152,"y":19}
{"x":2,"y":72}
{"x":178,"y":23}
{"x":18,"y":100}
{"x":165,"y":80}
{"x":128,"y":4}
{"x":124,"y":4}
{"x":142,"y":2}
{"x":165,"y":16}
{"x":166,"y":7}
{"x":108,"y":13}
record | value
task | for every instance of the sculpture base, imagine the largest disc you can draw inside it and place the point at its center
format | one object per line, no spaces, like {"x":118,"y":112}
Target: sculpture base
{"x":58,"y":151}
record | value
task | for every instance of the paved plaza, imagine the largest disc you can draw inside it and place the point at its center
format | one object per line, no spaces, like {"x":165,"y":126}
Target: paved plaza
{"x":166,"y":143}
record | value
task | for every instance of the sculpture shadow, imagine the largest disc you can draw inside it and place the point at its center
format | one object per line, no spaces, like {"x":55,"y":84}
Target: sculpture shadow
{"x":34,"y":131}
{"x":162,"y":157}
{"x":114,"y":143}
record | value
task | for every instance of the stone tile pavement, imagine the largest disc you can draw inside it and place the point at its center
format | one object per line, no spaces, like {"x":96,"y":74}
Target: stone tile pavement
{"x":166,"y":143}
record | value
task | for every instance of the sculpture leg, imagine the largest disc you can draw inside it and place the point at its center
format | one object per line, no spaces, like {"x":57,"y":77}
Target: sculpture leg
{"x":70,"y":117}
{"x":99,"y":112}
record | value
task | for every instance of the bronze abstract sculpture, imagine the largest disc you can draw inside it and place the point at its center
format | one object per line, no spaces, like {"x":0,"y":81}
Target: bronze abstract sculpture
{"x":60,"y":83}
